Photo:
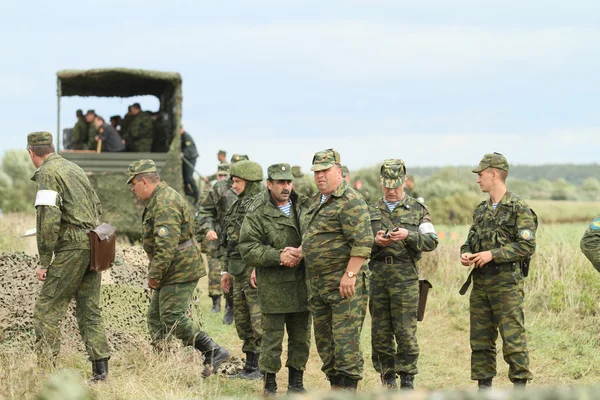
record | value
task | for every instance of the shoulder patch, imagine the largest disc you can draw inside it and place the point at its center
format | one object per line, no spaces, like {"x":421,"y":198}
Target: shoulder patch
{"x":162,"y":231}
{"x":188,"y":143}
{"x":526,"y":234}
{"x":595,"y":225}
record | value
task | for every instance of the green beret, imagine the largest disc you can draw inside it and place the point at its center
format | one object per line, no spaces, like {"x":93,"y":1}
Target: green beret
{"x":39,"y":138}
{"x":140,"y":167}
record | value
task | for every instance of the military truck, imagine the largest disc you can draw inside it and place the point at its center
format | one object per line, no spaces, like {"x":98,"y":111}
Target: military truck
{"x":108,"y":171}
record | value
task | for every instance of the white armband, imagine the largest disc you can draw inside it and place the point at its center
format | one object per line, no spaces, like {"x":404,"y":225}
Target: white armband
{"x":46,"y":198}
{"x":426,"y":227}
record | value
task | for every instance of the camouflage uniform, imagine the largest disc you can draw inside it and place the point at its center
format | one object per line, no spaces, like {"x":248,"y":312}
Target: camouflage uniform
{"x":496,"y":302}
{"x":334,"y":231}
{"x":394,"y":291}
{"x":590,"y":243}
{"x":175,"y":262}
{"x":80,"y":134}
{"x":303,"y":184}
{"x":92,"y":143}
{"x":190,"y":154}
{"x":139,"y":133}
{"x":266,"y":231}
{"x":67,"y":208}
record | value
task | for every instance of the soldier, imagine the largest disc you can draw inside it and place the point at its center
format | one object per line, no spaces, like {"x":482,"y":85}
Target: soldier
{"x":210,"y":216}
{"x":111,"y":141}
{"x":175,"y":263}
{"x":271,"y":227}
{"x":246,"y":177}
{"x":67,"y":208}
{"x":90,"y":116}
{"x":221,"y":156}
{"x":80,"y":132}
{"x":189,"y":155}
{"x":139,"y":131}
{"x":499,"y":244}
{"x":115,"y":122}
{"x":303,"y":184}
{"x":402,"y":229}
{"x":365,"y":190}
{"x":410,"y":188}
{"x":336,"y":243}
{"x":346,"y":173}
{"x":590,"y":243}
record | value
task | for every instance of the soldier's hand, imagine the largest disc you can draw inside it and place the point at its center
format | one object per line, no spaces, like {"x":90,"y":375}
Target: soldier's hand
{"x":482,"y":258}
{"x":226,"y":282}
{"x":211,"y":235}
{"x":347,"y":286}
{"x":465,"y":259}
{"x":153,"y":283}
{"x":296,"y":251}
{"x":253,"y":278}
{"x":380,"y":240}
{"x":41,"y":273}
{"x":288,"y":259}
{"x":205,"y":179}
{"x":398,"y":234}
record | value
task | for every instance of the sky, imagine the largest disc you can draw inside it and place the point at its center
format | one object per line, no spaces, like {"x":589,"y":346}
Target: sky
{"x":434,"y":82}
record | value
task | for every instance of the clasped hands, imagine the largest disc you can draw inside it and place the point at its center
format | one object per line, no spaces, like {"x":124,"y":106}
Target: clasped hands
{"x":290,"y":256}
{"x":479,"y":259}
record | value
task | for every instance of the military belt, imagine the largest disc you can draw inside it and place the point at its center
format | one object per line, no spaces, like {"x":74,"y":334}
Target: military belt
{"x":186,"y":244}
{"x":391,"y":260}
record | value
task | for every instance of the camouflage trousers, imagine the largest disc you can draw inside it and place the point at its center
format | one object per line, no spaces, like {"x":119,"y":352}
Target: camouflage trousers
{"x":168,"y":313}
{"x":214,"y":276}
{"x":496,"y":304}
{"x":246,"y":312}
{"x":69,"y":276}
{"x":297,"y":326}
{"x":338,"y":323}
{"x":394,"y":299}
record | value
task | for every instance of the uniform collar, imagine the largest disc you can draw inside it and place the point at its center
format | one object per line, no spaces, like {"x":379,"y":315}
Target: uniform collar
{"x":51,"y":157}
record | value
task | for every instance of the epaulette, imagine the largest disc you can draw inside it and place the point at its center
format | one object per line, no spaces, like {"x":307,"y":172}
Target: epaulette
{"x":420,"y":202}
{"x":255,"y":202}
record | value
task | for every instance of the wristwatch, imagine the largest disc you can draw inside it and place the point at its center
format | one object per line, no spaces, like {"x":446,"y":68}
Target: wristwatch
{"x":350,"y":274}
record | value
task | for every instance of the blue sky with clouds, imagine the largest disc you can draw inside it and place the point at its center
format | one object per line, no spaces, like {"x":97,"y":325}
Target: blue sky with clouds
{"x":433,"y":82}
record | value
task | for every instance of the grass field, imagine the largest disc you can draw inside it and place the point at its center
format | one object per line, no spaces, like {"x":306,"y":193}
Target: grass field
{"x":562,"y":317}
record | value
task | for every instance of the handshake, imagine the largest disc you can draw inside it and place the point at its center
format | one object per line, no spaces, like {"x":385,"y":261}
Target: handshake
{"x":290,"y":256}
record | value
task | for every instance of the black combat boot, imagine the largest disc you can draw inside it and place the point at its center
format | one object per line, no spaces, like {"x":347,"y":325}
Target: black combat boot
{"x":484,"y":384}
{"x":519,"y":383}
{"x":335,"y":381}
{"x":296,"y":381}
{"x":228,"y":317}
{"x":250,"y":370}
{"x":99,"y":370}
{"x":214,"y":355}
{"x":407,"y":381}
{"x":216,"y":304}
{"x":270,"y":385}
{"x":348,"y":383}
{"x":388,"y":380}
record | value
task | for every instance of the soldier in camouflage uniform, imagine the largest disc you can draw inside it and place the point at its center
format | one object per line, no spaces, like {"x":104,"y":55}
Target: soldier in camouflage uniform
{"x":139,"y":131}
{"x":500,"y":241}
{"x":189,"y":155}
{"x":209,"y":217}
{"x":92,"y":132}
{"x":67,"y":208}
{"x":590,"y":243}
{"x":221,"y":156}
{"x":270,"y":229}
{"x":303,"y":184}
{"x":403,"y":230}
{"x":246,"y":177}
{"x":80,"y":132}
{"x":336,"y":243}
{"x":175,"y":263}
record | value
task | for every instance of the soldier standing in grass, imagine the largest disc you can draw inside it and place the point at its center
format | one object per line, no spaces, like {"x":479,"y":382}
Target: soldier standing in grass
{"x":394,"y":293}
{"x":270,"y":232}
{"x":175,"y":263}
{"x":67,"y":207}
{"x":590,"y":243}
{"x":500,"y":241}
{"x":336,"y":244}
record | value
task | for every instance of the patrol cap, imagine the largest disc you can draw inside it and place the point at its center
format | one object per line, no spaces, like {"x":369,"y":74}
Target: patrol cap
{"x":392,"y":173}
{"x":297,"y":171}
{"x":90,"y":112}
{"x":325,"y":159}
{"x":280,"y":172}
{"x":492,"y":160}
{"x":238,"y":157}
{"x":140,"y":167}
{"x":39,"y":138}
{"x":345,"y":171}
{"x":223,"y":169}
{"x":222,"y":152}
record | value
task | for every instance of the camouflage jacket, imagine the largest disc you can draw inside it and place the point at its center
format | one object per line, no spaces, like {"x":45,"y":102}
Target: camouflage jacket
{"x":590,"y":243}
{"x":139,"y":133}
{"x":231,"y":226}
{"x":411,"y":215}
{"x":188,"y":147}
{"x":212,"y":177}
{"x":305,"y":185}
{"x":508,"y":231}
{"x":266,"y":231}
{"x":67,"y":207}
{"x":168,"y":222}
{"x":214,"y":207}
{"x":91,"y":136}
{"x":336,"y":230}
{"x":80,"y":133}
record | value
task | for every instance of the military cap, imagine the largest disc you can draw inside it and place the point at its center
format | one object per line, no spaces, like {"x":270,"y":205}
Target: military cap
{"x":90,"y":112}
{"x":280,"y":172}
{"x":223,"y":169}
{"x":392,"y":173}
{"x":140,"y":167}
{"x":222,"y":152}
{"x":492,"y":160}
{"x":39,"y":138}
{"x":297,"y":171}
{"x":345,"y":171}
{"x":325,"y":159}
{"x":247,"y":170}
{"x":238,"y":157}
